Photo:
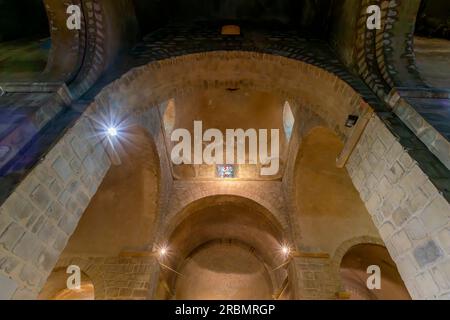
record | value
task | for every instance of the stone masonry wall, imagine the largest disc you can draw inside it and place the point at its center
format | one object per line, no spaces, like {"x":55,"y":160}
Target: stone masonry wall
{"x":413,"y":217}
{"x":41,"y":214}
{"x":116,"y":278}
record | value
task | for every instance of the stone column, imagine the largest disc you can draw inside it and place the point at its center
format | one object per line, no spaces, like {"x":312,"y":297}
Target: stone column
{"x":310,"y":277}
{"x":410,"y":207}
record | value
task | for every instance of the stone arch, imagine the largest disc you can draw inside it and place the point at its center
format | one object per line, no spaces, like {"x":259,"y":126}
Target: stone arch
{"x":226,"y":221}
{"x":318,"y":193}
{"x":87,"y":267}
{"x":395,"y":66}
{"x":296,"y":82}
{"x":343,"y":248}
{"x":119,"y":218}
{"x":150,"y":85}
{"x":265,"y":276}
{"x":181,"y":201}
{"x":360,"y":253}
{"x":346,"y":245}
{"x":138,"y":85}
{"x":182,"y":210}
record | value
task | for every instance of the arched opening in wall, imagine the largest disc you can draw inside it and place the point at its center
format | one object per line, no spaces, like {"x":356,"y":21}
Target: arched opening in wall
{"x":122,"y":214}
{"x":169,"y":116}
{"x":432,"y":42}
{"x":329,"y":208}
{"x":354,"y":274}
{"x":56,"y":287}
{"x":24,"y":39}
{"x":288,"y":120}
{"x":224,"y":247}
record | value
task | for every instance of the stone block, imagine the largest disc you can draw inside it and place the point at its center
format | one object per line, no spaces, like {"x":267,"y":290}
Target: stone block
{"x":394,"y":173}
{"x":11,"y":236}
{"x":81,"y":148}
{"x":378,"y":148}
{"x":68,"y":224}
{"x":407,"y":267}
{"x":8,"y":263}
{"x":48,"y":233}
{"x":441,"y":274}
{"x":416,"y":201}
{"x":413,"y":179}
{"x":400,"y":216}
{"x":394,"y":153}
{"x":4,"y":222}
{"x":427,"y":253}
{"x":38,"y":224}
{"x":19,"y":208}
{"x":401,"y":242}
{"x":55,"y":188}
{"x":55,"y":211}
{"x":60,"y":241}
{"x":28,"y":247}
{"x":112,"y":292}
{"x":24,"y":294}
{"x":62,"y":168}
{"x":406,"y":161}
{"x":125,"y":292}
{"x":47,"y":260}
{"x":7,"y":287}
{"x":436,"y":214}
{"x":444,"y":239}
{"x":385,"y":187}
{"x":385,"y":136}
{"x":427,"y":287}
{"x":30,"y":275}
{"x":415,"y":229}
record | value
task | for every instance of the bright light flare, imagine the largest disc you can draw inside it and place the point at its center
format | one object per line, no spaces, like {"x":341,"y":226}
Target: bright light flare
{"x":112,"y":131}
{"x":285,"y":250}
{"x":162,"y":251}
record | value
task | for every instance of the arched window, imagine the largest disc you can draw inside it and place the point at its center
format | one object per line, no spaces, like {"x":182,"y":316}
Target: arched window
{"x":169,"y":117}
{"x":288,"y":120}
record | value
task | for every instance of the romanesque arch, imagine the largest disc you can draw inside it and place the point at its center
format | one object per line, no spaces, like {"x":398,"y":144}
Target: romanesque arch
{"x":135,"y":96}
{"x":204,"y":241}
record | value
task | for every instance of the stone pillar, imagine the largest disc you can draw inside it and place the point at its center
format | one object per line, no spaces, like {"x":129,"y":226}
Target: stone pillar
{"x":410,"y":208}
{"x":154,"y":278}
{"x":310,"y":277}
{"x":41,"y":214}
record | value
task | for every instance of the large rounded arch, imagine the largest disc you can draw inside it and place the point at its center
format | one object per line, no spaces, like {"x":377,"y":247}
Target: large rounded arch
{"x":156,"y":82}
{"x":223,"y":227}
{"x":325,"y":199}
